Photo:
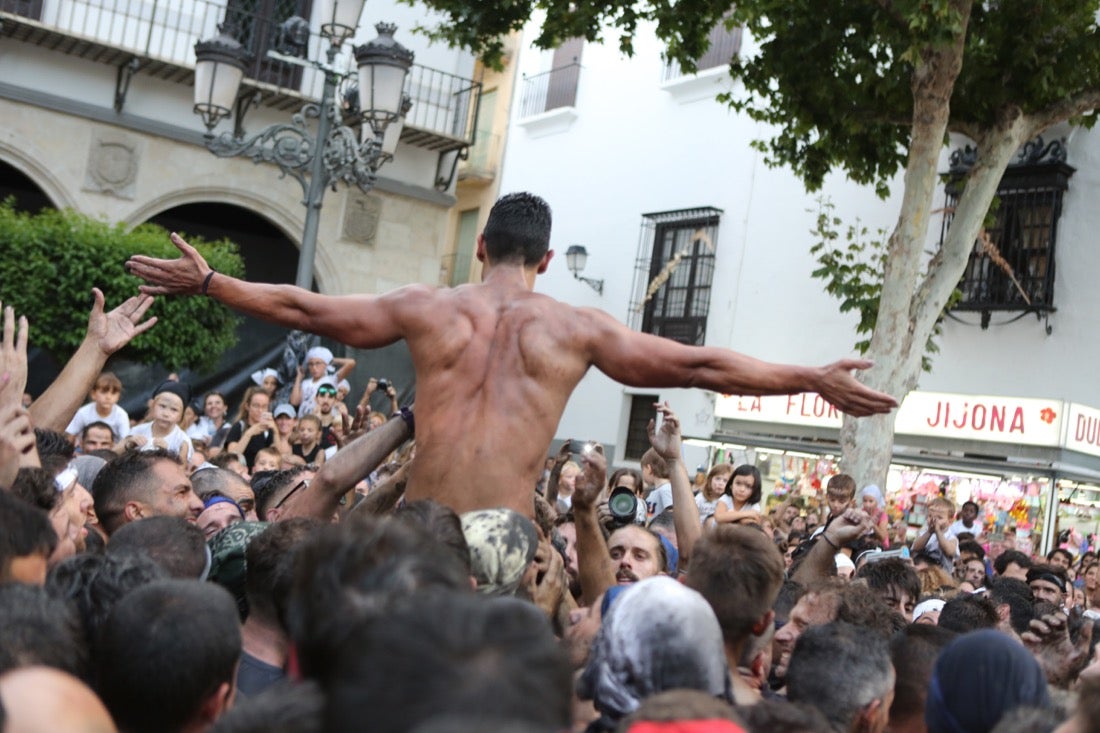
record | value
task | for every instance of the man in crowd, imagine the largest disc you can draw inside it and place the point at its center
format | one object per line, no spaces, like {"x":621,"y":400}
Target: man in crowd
{"x":496,"y":362}
{"x":141,"y":484}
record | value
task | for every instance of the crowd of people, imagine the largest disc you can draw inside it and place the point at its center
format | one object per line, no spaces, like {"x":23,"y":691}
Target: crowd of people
{"x":313,"y":565}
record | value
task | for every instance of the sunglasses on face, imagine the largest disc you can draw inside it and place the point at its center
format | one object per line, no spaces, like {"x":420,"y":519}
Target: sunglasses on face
{"x":303,"y":484}
{"x":328,"y":391}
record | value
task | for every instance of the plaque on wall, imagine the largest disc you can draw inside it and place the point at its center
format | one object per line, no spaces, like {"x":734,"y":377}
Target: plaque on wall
{"x":113,"y":164}
{"x":361,"y":214}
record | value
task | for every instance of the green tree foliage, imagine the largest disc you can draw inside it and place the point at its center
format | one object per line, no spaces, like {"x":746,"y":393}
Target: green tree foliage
{"x":52,"y":260}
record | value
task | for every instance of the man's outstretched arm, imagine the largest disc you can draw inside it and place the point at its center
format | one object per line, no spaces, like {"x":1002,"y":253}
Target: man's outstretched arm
{"x":360,"y":320}
{"x":643,"y":360}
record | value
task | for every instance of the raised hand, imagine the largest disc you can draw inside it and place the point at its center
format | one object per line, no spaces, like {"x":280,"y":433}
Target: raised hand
{"x":111,"y":331}
{"x":665,"y":441}
{"x":13,"y":359}
{"x":849,"y":526}
{"x":1048,"y":640}
{"x":181,"y":276}
{"x":837,"y":385}
{"x":16,"y":441}
{"x":592,"y":478}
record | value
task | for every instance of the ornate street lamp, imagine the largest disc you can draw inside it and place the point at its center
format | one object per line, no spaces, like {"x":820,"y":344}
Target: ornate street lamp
{"x":576,"y":257}
{"x":332,"y":151}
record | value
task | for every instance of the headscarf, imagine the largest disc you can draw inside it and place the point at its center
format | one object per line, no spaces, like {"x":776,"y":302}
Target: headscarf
{"x":658,"y":635}
{"x":977,"y":679}
{"x":320,"y":352}
{"x":502,"y":544}
{"x":260,"y":375}
{"x":876,"y":492}
{"x":227,"y":566}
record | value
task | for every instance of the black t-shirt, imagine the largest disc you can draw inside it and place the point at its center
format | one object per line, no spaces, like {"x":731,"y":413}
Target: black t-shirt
{"x":255,"y":444}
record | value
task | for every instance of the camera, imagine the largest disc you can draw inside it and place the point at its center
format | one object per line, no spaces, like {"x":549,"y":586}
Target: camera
{"x":383,"y":384}
{"x":623,"y":505}
{"x":581,"y":447}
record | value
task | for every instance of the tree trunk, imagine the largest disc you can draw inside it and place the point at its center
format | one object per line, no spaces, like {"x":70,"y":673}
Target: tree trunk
{"x":896,"y":346}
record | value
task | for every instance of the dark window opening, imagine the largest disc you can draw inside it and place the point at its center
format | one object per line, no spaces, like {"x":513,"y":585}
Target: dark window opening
{"x":637,"y":435}
{"x":1012,"y":267}
{"x":676,"y":271}
{"x":256,"y":24}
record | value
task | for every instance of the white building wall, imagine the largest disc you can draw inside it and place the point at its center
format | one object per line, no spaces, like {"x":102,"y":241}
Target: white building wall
{"x":635,"y":147}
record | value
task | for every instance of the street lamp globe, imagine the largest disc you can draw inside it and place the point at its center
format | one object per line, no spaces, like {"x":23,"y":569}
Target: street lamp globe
{"x":219,"y":67}
{"x":339,"y":19}
{"x":576,"y":257}
{"x":383,"y":64}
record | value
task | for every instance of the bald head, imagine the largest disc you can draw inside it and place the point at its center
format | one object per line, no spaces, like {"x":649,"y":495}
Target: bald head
{"x":45,"y":700}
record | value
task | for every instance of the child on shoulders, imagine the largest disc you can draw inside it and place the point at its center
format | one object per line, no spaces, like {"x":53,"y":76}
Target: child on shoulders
{"x":103,"y":408}
{"x":164,"y":431}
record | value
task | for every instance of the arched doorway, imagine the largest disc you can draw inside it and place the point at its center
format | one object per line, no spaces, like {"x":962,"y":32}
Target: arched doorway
{"x":16,"y":185}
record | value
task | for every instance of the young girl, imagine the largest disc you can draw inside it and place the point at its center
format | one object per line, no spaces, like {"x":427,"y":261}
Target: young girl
{"x":713,"y":492}
{"x":744,"y":489}
{"x":308,"y":445}
{"x":163,"y":431}
{"x":873,"y":504}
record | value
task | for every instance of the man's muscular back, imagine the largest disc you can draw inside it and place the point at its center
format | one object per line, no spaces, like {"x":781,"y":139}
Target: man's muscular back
{"x":495,"y":367}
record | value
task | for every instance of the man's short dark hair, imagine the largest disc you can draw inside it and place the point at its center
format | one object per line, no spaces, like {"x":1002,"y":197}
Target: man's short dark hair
{"x":97,"y":425}
{"x":269,"y":487}
{"x":173,"y":543}
{"x":779,"y":716}
{"x":913,"y":651}
{"x":739,"y":571}
{"x":24,"y":530}
{"x":864,"y":607}
{"x":442,"y":523}
{"x":1016,"y":594}
{"x":893,"y":572}
{"x":493,"y":657}
{"x":36,"y":629}
{"x":968,"y":612}
{"x":353,"y":569}
{"x":153,"y":677}
{"x":286,"y":707}
{"x":95,"y":583}
{"x":269,"y":562}
{"x":973,"y":547}
{"x":52,"y":443}
{"x":822,"y":650}
{"x":36,"y":487}
{"x":518,"y":229}
{"x":1060,"y":551}
{"x":122,"y":480}
{"x":1010,"y":557}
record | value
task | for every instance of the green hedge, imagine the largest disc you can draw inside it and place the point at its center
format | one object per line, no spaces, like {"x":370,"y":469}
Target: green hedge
{"x":49,"y":263}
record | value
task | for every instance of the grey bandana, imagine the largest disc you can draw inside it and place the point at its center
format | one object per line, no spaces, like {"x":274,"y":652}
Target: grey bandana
{"x":658,"y":635}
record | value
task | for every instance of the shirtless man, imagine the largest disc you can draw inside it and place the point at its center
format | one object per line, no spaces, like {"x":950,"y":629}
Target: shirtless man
{"x":496,"y":362}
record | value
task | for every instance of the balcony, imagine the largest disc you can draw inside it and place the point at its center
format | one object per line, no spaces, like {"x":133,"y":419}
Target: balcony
{"x":483,"y":160}
{"x":157,"y":37}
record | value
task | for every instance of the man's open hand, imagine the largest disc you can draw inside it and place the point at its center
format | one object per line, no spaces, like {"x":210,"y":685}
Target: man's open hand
{"x":181,"y":276}
{"x":1047,"y":638}
{"x":837,"y":385}
{"x":111,"y":331}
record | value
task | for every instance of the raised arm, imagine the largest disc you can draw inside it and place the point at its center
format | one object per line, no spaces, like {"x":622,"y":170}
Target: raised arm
{"x":685,"y":512}
{"x":107,"y":333}
{"x":644,"y":360}
{"x":357,"y":320}
{"x":594,"y":564}
{"x":341,"y":472}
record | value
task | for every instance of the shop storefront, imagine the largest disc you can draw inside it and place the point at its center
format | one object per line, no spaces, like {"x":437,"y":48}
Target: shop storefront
{"x":1032,"y":465}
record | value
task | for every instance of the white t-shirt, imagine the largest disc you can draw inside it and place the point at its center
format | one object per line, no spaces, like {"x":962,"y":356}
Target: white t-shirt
{"x":707,"y":508}
{"x":175,"y":440}
{"x":958,"y":528}
{"x":659,"y":499}
{"x":309,"y":394}
{"x":86,"y":415}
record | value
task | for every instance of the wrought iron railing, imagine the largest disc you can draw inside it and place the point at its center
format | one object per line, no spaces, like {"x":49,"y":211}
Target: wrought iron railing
{"x":166,"y":31}
{"x":550,"y":90}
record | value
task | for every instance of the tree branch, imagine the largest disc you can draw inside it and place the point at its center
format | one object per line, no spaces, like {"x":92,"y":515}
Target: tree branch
{"x":1079,"y":104}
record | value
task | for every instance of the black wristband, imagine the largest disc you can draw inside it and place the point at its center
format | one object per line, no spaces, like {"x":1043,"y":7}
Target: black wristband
{"x":829,"y":542}
{"x":406,"y":414}
{"x":206,"y":282}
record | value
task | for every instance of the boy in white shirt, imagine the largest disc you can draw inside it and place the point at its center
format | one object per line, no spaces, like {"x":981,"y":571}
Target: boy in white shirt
{"x":164,"y":430}
{"x":103,"y":408}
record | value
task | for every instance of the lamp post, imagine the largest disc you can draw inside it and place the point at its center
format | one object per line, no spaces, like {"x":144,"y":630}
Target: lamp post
{"x":332,"y":151}
{"x":576,"y":257}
